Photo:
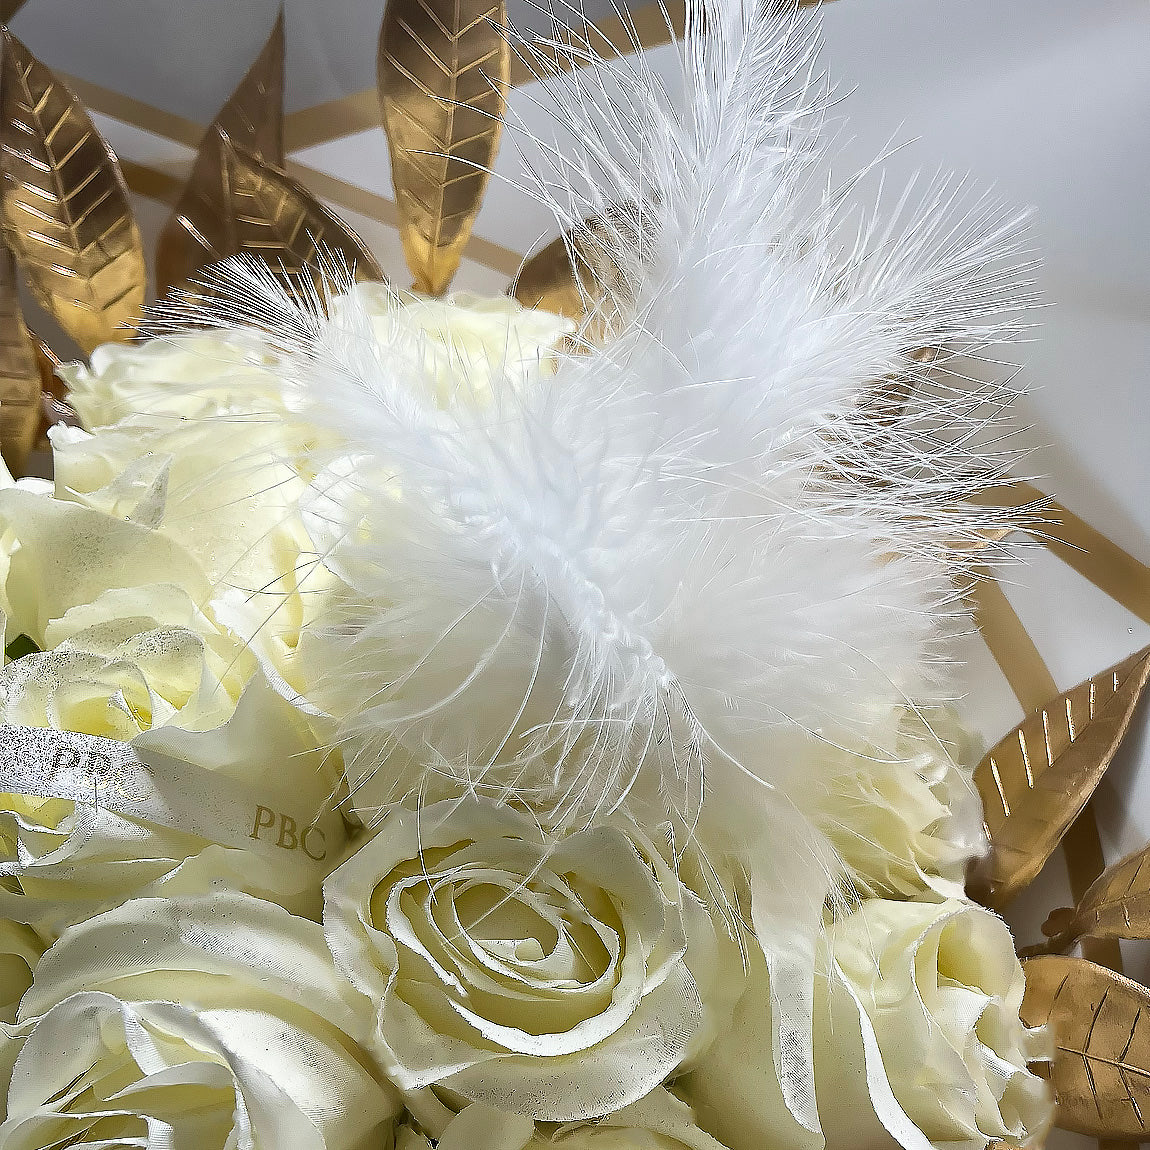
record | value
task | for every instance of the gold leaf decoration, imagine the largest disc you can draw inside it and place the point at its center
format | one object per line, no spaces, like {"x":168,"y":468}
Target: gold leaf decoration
{"x":54,"y":404}
{"x":580,"y":271}
{"x":548,"y":281}
{"x":444,"y":71}
{"x":1117,"y":905}
{"x":19,"y":374}
{"x":1100,"y":1022}
{"x":1037,"y":779}
{"x":66,"y":211}
{"x":197,"y":232}
{"x":272,"y":216}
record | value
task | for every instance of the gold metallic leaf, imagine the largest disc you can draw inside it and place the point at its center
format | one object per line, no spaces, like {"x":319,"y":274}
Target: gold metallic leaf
{"x":1100,"y":1022}
{"x":1117,"y":905}
{"x":9,"y":8}
{"x":1037,"y":779}
{"x":197,"y":232}
{"x":66,"y":211}
{"x":54,"y":405}
{"x":444,"y":71}
{"x":272,"y":216}
{"x":19,"y":373}
{"x":547,"y":281}
{"x":580,"y":272}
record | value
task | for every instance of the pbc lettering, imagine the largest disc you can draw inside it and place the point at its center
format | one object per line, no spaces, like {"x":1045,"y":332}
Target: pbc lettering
{"x":72,"y":761}
{"x":289,"y":837}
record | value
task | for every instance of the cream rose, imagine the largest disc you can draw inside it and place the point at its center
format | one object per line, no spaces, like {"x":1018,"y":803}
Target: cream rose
{"x":933,"y":990}
{"x":658,"y":1121}
{"x":105,"y":619}
{"x":733,"y":1088}
{"x":233,"y":372}
{"x":903,"y":812}
{"x":114,"y":682}
{"x":63,"y":861}
{"x":462,"y":337}
{"x":192,"y":376}
{"x":713,"y":956}
{"x":225,"y":491}
{"x":547,"y":980}
{"x":195,"y":437}
{"x":20,"y":950}
{"x":119,"y":645}
{"x":917,"y":1041}
{"x":214,"y":1023}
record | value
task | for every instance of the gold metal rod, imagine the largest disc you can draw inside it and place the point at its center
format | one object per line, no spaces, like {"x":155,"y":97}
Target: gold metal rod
{"x":135,"y":112}
{"x":1012,"y":647}
{"x":1084,"y":549}
{"x":1034,"y":686}
{"x":157,"y":185}
{"x":151,"y":183}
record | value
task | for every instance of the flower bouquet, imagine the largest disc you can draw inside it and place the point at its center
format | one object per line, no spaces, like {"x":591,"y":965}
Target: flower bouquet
{"x":434,"y":720}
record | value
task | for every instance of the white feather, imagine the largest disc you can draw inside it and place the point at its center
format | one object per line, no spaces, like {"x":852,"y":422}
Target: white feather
{"x":664,"y":572}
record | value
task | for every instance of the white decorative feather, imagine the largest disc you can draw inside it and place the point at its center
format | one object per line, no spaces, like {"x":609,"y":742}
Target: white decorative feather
{"x":704,"y":545}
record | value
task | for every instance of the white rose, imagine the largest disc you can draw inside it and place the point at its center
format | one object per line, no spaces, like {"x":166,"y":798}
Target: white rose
{"x":918,"y":1041}
{"x":903,"y":812}
{"x":546,"y":980}
{"x":193,"y":1022}
{"x":112,"y":682}
{"x":463,"y":336}
{"x":20,"y":950}
{"x":232,"y":372}
{"x":939,"y":989}
{"x":195,"y":438}
{"x":63,"y":861}
{"x":713,"y":956}
{"x":658,"y":1121}
{"x":226,"y":492}
{"x":102,"y":616}
{"x":734,"y":1089}
{"x":190,"y":376}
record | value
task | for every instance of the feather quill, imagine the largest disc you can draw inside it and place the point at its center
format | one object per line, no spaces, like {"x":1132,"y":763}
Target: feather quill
{"x":668,"y":571}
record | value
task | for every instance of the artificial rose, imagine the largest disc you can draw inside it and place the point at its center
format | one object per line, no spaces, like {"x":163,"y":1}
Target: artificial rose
{"x":232,"y":372}
{"x":104,"y":617}
{"x":658,"y":1121}
{"x":223,"y":488}
{"x":543,"y":979}
{"x":225,"y":491}
{"x":115,"y":682}
{"x":62,"y":861}
{"x":213,"y":1023}
{"x":714,"y":956}
{"x":936,"y":989}
{"x":197,"y":375}
{"x":464,"y":337}
{"x":195,"y":438}
{"x":733,"y":1088}
{"x":58,"y":558}
{"x":903,"y":812}
{"x":917,"y":1041}
{"x":20,"y":950}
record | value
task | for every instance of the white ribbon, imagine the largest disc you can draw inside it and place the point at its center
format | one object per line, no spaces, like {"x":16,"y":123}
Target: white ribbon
{"x":164,"y":790}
